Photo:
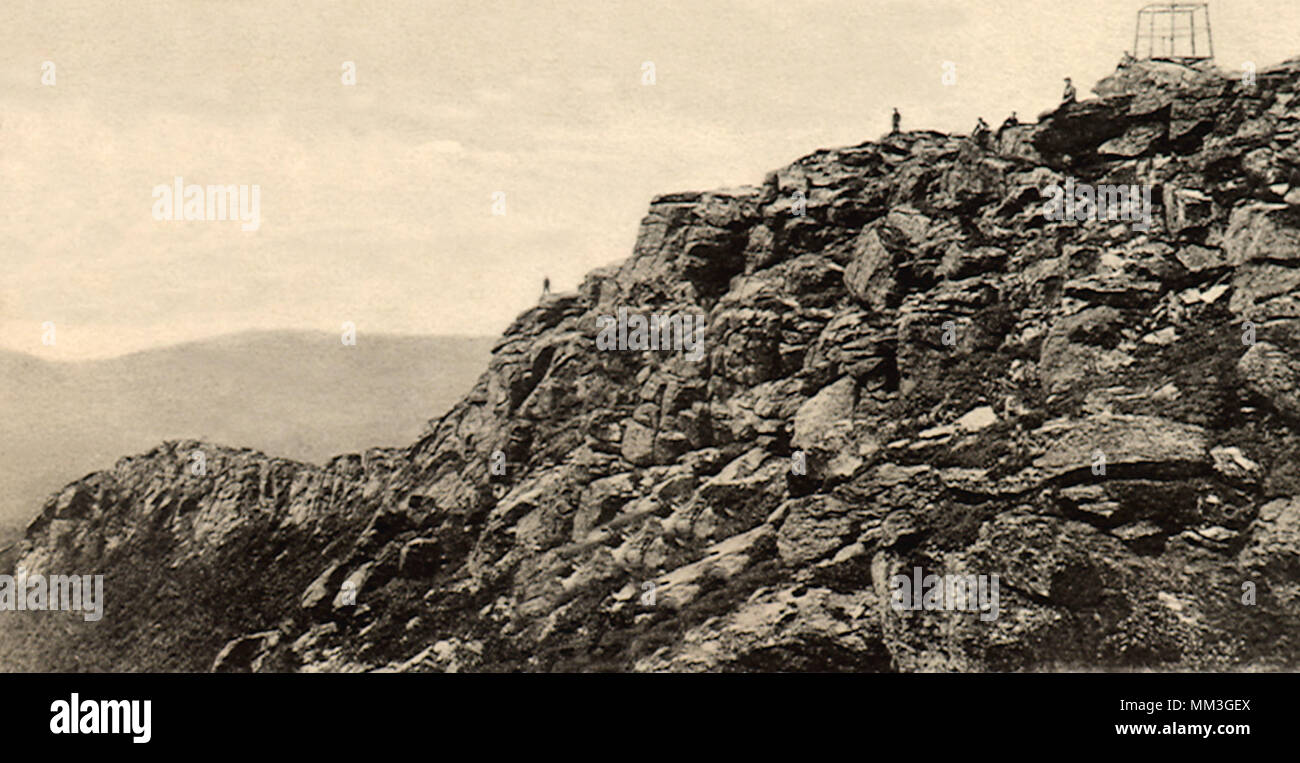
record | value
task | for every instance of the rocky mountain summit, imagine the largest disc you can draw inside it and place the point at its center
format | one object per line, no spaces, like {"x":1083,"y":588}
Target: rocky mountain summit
{"x":907,"y":366}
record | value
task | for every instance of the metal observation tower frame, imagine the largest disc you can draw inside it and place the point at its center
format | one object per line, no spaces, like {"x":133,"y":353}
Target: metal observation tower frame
{"x":1173,"y":31}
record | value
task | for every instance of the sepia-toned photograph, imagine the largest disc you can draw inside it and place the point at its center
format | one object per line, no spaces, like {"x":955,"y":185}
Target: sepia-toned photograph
{"x":650,"y":337}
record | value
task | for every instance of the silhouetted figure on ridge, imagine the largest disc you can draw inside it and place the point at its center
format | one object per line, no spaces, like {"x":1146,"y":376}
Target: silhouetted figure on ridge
{"x":1011,"y":121}
{"x":898,"y":120}
{"x":1069,"y":95}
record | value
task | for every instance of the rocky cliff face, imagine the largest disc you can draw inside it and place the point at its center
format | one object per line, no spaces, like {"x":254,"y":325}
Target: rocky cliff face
{"x":906,"y":366}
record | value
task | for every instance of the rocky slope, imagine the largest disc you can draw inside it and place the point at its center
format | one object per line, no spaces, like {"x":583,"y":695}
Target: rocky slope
{"x":947,"y":363}
{"x":299,"y":394}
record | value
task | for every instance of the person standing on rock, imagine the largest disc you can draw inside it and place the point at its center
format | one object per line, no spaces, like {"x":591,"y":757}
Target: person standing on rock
{"x":981,"y":133}
{"x":1070,"y":95}
{"x":546,"y":285}
{"x":898,"y":121}
{"x":1012,"y":121}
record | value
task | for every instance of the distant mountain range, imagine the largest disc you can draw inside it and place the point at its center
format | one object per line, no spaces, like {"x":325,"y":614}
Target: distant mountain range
{"x":300,"y":395}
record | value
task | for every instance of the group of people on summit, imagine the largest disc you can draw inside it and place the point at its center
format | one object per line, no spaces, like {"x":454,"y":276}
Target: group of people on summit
{"x":981,"y":132}
{"x":980,"y":135}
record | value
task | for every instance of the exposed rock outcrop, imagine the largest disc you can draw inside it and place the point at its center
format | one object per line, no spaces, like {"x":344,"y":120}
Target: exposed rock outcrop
{"x":906,"y":366}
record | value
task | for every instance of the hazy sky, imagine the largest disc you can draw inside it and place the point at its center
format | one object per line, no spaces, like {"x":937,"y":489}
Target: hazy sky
{"x":376,"y":199}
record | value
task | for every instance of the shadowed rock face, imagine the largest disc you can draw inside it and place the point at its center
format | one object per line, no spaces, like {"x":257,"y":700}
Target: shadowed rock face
{"x":965,"y":387}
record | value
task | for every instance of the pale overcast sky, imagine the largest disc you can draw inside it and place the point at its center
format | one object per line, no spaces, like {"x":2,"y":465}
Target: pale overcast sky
{"x":376,"y":199}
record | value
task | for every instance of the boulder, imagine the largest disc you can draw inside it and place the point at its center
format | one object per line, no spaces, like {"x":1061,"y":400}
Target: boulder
{"x":1274,"y":375}
{"x":419,"y":558}
{"x":245,"y":654}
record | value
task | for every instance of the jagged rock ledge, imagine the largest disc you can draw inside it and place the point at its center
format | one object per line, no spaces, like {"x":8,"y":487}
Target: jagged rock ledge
{"x":649,"y":517}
